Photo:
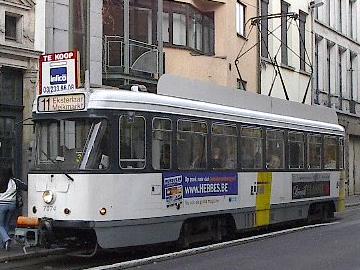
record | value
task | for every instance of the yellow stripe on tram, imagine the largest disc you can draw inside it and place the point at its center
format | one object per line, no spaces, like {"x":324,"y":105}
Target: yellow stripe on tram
{"x":263,"y":198}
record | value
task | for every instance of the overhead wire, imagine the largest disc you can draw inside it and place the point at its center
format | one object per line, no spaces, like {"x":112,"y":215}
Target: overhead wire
{"x":290,"y":16}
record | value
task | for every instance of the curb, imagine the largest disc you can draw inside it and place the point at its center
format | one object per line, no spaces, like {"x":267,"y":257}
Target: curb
{"x":125,"y":265}
{"x":32,"y":254}
{"x":348,"y":205}
{"x":193,"y":251}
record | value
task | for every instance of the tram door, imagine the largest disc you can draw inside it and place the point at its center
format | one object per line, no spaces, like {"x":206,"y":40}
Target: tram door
{"x":354,"y":166}
{"x":7,"y":142}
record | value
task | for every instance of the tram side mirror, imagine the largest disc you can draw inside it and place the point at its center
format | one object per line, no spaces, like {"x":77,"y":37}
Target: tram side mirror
{"x":104,"y":162}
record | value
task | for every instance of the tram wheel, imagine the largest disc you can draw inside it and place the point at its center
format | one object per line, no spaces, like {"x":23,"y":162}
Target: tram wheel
{"x":327,"y":213}
{"x":184,"y":239}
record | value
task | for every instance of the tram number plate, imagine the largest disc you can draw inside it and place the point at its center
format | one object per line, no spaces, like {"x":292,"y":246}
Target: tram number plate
{"x":49,"y":208}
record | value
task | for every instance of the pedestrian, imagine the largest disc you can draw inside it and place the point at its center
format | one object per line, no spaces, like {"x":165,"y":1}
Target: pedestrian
{"x":7,"y":204}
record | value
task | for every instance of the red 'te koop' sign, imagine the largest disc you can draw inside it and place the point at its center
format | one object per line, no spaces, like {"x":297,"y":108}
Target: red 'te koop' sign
{"x":59,"y":72}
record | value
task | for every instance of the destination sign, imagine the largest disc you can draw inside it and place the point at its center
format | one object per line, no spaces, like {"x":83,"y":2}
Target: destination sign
{"x":59,"y":103}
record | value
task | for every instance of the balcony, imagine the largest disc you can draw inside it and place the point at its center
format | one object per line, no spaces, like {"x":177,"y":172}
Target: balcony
{"x":143,"y":60}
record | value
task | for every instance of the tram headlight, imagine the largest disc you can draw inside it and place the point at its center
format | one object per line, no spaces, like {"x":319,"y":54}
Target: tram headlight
{"x":48,"y":197}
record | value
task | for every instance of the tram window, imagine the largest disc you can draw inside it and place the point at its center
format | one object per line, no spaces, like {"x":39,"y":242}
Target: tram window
{"x":49,"y":137}
{"x":132,"y":142}
{"x":314,"y":151}
{"x":275,"y":149}
{"x":191,"y":145}
{"x":223,"y":146}
{"x":71,"y":144}
{"x":341,"y":153}
{"x":97,"y":154}
{"x":296,"y":150}
{"x":251,"y":148}
{"x":161,"y":143}
{"x":330,"y":152}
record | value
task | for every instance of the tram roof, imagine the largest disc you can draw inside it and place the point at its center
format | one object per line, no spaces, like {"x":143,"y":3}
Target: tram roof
{"x":247,"y":112}
{"x":181,"y":96}
{"x":207,"y":91}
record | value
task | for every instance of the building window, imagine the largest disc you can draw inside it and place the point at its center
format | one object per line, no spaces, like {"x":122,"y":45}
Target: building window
{"x":209,"y":36}
{"x":302,"y":22}
{"x":351,"y":20}
{"x":11,"y":90}
{"x":340,"y":15}
{"x":351,"y":74}
{"x":284,"y":32}
{"x":340,"y":74}
{"x":166,"y":27}
{"x":188,"y":27}
{"x":264,"y":28}
{"x":328,"y":11}
{"x":78,"y":37}
{"x":240,"y":18}
{"x":183,"y":25}
{"x":11,"y":26}
{"x":195,"y":32}
{"x":328,"y":64}
{"x":316,"y":70}
{"x":179,"y":29}
{"x":7,"y":142}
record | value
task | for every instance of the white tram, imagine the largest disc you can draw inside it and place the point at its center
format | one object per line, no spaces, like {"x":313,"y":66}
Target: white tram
{"x":133,"y":168}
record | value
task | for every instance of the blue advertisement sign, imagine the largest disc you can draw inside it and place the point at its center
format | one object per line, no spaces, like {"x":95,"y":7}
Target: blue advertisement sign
{"x":179,"y":185}
{"x":58,"y":75}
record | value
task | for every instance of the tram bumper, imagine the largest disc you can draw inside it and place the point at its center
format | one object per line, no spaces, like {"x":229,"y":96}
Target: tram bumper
{"x":45,"y":232}
{"x":35,"y":231}
{"x":27,"y":231}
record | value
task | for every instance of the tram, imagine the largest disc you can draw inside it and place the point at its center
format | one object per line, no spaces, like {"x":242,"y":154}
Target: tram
{"x":120,"y":168}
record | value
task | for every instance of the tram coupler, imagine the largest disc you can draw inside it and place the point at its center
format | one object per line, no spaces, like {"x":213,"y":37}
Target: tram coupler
{"x":27,"y":231}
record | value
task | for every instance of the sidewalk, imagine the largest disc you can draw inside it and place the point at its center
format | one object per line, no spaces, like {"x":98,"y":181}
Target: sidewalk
{"x":353,"y":200}
{"x":16,"y":251}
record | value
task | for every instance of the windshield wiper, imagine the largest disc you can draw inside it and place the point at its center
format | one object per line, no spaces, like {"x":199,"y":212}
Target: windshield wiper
{"x":57,"y":165}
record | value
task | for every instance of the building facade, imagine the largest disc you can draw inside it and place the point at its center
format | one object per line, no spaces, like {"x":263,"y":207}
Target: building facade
{"x":18,"y":76}
{"x":120,"y":42}
{"x":286,"y":50}
{"x":201,"y":40}
{"x":336,"y":77}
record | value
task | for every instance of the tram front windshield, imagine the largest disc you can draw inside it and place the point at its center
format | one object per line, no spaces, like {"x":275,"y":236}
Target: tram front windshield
{"x":63,"y":145}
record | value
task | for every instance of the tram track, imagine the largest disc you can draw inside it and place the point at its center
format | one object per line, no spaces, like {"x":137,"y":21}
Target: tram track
{"x":207,"y":248}
{"x":121,"y":259}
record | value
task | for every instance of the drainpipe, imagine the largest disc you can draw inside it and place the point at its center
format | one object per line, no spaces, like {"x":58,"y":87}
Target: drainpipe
{"x":258,"y":90}
{"x":126,"y":39}
{"x":88,"y":38}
